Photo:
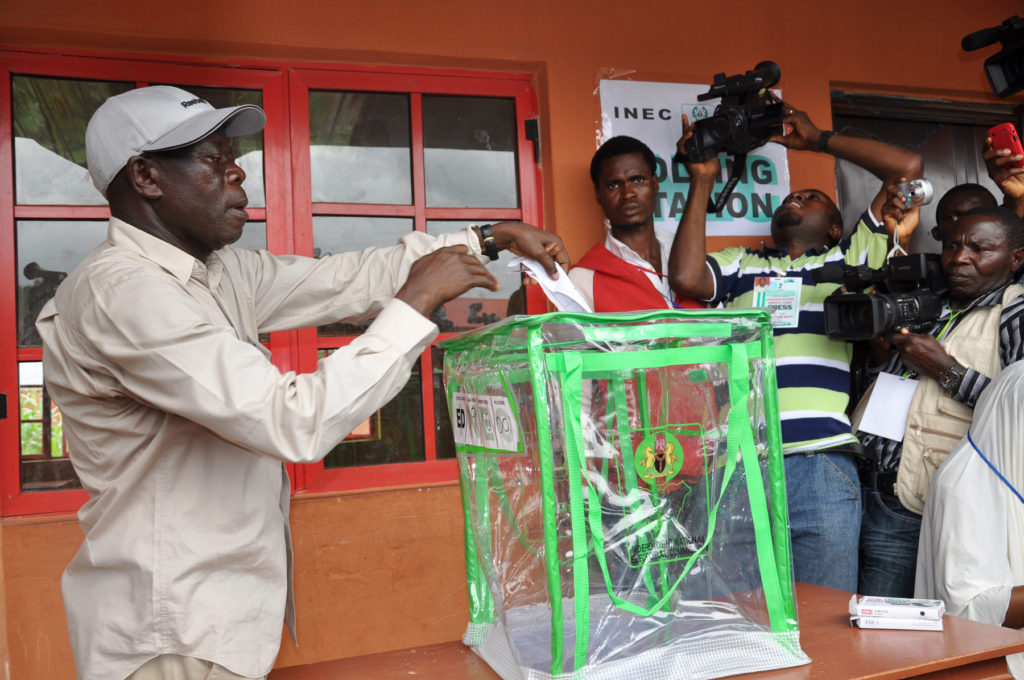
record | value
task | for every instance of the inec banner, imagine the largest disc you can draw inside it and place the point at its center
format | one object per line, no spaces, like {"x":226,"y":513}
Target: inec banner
{"x":652,"y":112}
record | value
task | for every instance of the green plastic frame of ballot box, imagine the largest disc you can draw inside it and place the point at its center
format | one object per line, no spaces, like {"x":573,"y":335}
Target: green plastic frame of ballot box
{"x":554,"y":360}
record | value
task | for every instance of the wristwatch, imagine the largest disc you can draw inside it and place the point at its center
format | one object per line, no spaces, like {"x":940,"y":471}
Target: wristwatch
{"x":823,"y":140}
{"x":950,"y":379}
{"x":487,"y":238}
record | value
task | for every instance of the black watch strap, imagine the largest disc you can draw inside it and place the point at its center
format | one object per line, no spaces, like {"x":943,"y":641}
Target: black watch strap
{"x":487,"y":238}
{"x":823,"y":140}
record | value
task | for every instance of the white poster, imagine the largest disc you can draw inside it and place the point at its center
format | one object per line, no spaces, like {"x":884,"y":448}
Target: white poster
{"x":652,"y":112}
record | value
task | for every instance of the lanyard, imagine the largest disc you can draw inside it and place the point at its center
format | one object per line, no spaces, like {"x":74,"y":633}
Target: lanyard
{"x":669,"y":300}
{"x":952,"y":317}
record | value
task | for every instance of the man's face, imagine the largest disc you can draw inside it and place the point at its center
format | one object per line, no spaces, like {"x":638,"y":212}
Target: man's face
{"x":202,"y":202}
{"x":953,"y":208}
{"x":807,"y":215}
{"x":977,"y":257}
{"x":627,"y":191}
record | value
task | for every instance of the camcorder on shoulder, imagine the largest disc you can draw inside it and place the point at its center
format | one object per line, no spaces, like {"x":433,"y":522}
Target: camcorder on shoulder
{"x":862,"y":316}
{"x":747,"y":117}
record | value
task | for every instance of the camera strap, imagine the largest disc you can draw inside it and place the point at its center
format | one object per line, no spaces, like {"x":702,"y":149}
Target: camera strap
{"x":739,"y":163}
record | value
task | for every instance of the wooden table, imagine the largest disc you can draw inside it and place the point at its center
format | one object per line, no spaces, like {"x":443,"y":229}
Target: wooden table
{"x":965,"y":649}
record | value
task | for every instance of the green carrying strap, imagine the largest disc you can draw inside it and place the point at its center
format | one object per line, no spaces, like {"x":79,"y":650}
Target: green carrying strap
{"x":549,"y":504}
{"x":739,"y":418}
{"x":480,"y":603}
{"x":618,"y":391}
{"x":740,"y":447}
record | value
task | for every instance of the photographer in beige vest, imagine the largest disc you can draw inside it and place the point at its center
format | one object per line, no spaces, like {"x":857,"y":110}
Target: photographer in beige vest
{"x":977,"y":334}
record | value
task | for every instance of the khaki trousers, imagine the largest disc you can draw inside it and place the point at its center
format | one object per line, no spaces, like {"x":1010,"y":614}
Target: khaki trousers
{"x":175,"y":667}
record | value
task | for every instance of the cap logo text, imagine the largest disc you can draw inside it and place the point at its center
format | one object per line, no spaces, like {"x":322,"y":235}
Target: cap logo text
{"x":193,"y":102}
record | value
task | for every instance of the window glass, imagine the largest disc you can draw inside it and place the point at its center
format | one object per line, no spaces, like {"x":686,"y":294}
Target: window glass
{"x":50,"y":117}
{"x":392,"y":435}
{"x":444,"y":438}
{"x":248,"y":148}
{"x":47,"y":252}
{"x":254,"y":236}
{"x":338,"y":234}
{"x":360,"y":148}
{"x":469,"y":152}
{"x":478,"y":306}
{"x":44,"y":462}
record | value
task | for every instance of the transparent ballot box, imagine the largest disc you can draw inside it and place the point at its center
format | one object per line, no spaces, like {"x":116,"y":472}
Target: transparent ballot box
{"x":624,"y":495}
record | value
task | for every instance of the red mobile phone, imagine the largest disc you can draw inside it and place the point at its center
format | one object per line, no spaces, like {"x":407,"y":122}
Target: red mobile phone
{"x":1005,"y":136}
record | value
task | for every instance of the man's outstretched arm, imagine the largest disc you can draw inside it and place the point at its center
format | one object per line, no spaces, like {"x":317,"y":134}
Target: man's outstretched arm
{"x":885,"y":161}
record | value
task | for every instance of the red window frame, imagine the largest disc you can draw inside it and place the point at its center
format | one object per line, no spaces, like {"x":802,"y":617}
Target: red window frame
{"x":288,"y":216}
{"x":316,"y":477}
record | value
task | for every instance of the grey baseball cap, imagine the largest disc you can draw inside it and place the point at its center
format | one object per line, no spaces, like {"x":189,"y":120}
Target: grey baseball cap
{"x":156,"y":118}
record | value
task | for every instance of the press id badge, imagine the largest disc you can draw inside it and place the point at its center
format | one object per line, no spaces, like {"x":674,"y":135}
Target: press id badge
{"x":780,"y":295}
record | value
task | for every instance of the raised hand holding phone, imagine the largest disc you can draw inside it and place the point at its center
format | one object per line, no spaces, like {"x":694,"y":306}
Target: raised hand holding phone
{"x":1004,"y":136}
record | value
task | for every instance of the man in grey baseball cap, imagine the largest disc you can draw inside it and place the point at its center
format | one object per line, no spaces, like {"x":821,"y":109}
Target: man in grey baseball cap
{"x":178,"y":424}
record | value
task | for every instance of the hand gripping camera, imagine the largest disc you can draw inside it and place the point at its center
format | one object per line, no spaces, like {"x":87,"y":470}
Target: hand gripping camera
{"x":861,"y":316}
{"x":746,"y":119}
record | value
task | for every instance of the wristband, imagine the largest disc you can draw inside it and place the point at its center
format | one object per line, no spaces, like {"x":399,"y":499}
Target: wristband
{"x":487,"y":238}
{"x":823,"y":140}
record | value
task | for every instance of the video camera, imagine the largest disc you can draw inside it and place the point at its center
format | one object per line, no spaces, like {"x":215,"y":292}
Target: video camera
{"x":745,"y":120}
{"x":1005,"y":68}
{"x":861,"y":316}
{"x":747,"y":117}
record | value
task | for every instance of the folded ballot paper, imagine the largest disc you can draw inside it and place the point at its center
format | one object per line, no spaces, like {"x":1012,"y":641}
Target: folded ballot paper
{"x":896,"y":613}
{"x":561,"y":291}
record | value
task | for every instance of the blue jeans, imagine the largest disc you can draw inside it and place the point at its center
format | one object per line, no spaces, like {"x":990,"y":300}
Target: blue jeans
{"x":888,"y":546}
{"x":823,"y":490}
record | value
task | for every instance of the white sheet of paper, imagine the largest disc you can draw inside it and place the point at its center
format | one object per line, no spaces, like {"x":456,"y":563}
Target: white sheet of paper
{"x":886,"y":412}
{"x":561,"y":291}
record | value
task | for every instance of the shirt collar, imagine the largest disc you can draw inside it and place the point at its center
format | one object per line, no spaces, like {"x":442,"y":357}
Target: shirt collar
{"x":775,"y":251}
{"x":176,"y":261}
{"x":624,"y":252}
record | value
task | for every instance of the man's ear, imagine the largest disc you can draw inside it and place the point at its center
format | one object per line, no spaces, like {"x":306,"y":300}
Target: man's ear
{"x":144,"y":177}
{"x":936,"y":234}
{"x":835,"y":233}
{"x":1017,"y":258}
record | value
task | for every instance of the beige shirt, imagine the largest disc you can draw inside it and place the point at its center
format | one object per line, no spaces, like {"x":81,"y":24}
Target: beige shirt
{"x":178,"y":426}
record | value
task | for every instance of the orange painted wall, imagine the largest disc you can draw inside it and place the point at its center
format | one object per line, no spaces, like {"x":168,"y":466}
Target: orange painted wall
{"x":373,"y":572}
{"x":383,"y":570}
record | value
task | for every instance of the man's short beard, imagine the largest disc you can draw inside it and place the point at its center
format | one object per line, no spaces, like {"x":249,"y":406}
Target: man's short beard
{"x":786,"y":219}
{"x":631,"y":226}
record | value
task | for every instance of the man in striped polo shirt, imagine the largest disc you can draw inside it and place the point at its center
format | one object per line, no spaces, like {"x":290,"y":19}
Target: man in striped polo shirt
{"x":813,"y":371}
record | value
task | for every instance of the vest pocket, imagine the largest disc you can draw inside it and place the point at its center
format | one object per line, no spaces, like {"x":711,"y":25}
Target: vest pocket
{"x":926,"y":445}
